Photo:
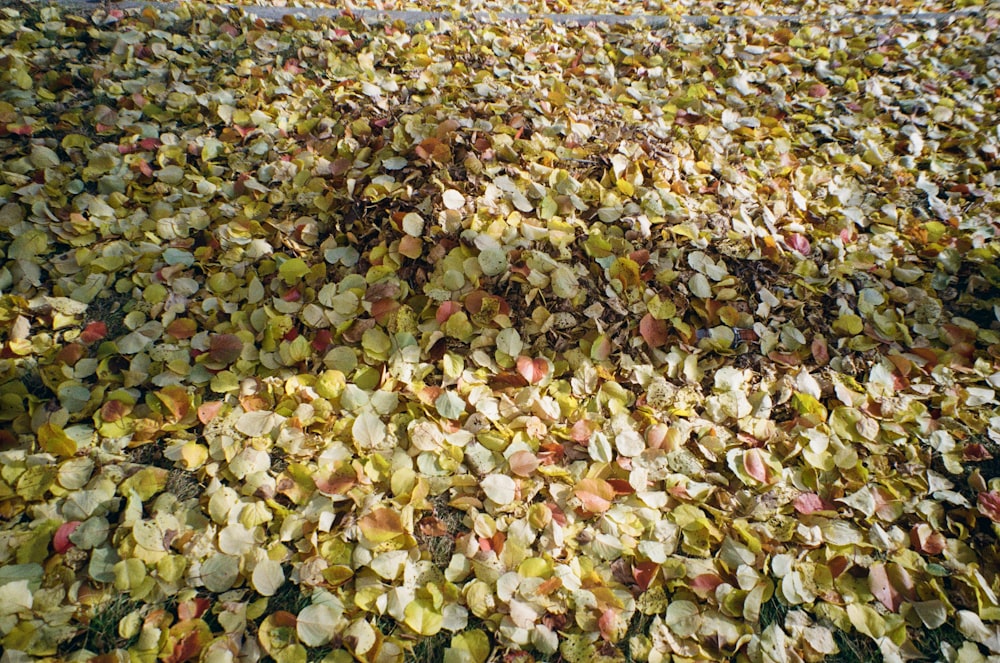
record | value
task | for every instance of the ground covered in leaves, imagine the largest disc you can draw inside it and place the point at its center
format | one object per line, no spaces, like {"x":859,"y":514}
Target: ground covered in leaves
{"x":324,"y":341}
{"x":677,"y":8}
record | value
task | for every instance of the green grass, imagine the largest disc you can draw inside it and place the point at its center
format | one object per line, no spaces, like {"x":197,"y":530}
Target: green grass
{"x":855,"y":647}
{"x":929,"y":641}
{"x":289,"y":598}
{"x":430,"y":649}
{"x":773,"y":611}
{"x":101,"y":633}
{"x":638,"y":625}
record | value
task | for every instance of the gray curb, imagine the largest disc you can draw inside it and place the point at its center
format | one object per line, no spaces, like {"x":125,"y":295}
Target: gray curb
{"x":411,"y":17}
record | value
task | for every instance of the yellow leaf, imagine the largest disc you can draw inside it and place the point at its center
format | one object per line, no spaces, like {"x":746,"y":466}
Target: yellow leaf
{"x":54,"y":440}
{"x":867,"y":620}
{"x":381,"y":525}
{"x":422,"y":618}
{"x":468,"y":647}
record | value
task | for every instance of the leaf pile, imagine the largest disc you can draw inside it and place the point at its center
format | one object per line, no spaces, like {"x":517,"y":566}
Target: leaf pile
{"x":707,"y":8}
{"x":321,"y":340}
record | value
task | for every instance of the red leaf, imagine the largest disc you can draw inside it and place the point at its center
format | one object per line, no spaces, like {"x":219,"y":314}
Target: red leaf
{"x":820,"y":351}
{"x":188,"y":646}
{"x":176,"y":400}
{"x":705,"y":583}
{"x":382,"y":308}
{"x":641,"y":257}
{"x":70,"y":354}
{"x":20,"y":129}
{"x":432,"y":526}
{"x":644,"y":572}
{"x":112,"y":411}
{"x":335,"y":485}
{"x":808,"y":503}
{"x":533,"y":370}
{"x":653,"y":331}
{"x":411,"y":247}
{"x":523,"y":463}
{"x":989,"y":505}
{"x":838,"y":565}
{"x":753,"y":463}
{"x":192,"y":609}
{"x":475,"y":300}
{"x":786,"y":358}
{"x":606,"y":624}
{"x":595,"y":495}
{"x":581,"y":431}
{"x":890,"y":584}
{"x":93,"y":332}
{"x":446,"y":310}
{"x":927,"y":540}
{"x":621,"y":486}
{"x":975,"y":452}
{"x":818,"y":91}
{"x":882,"y":589}
{"x":207,"y":411}
{"x":225,"y":348}
{"x":798,"y":243}
{"x":182,"y":328}
{"x":60,"y":540}
{"x":322,"y":340}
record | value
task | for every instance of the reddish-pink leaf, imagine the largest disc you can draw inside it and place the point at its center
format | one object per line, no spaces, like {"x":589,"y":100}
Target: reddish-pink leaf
{"x":224,"y":348}
{"x":207,"y":411}
{"x":927,"y":540}
{"x":581,"y":431}
{"x":176,"y":399}
{"x":820,"y":351}
{"x":193,"y":608}
{"x":446,"y":310}
{"x":533,"y":370}
{"x":411,"y":247}
{"x":93,"y":332}
{"x":335,"y":485}
{"x":786,"y":358}
{"x":975,"y":452}
{"x":188,"y":645}
{"x":322,"y":340}
{"x":798,"y":243}
{"x":705,"y":583}
{"x":595,"y":495}
{"x":753,"y":463}
{"x":882,"y":589}
{"x":523,"y":463}
{"x":808,"y":503}
{"x":644,"y":572}
{"x":818,"y":90}
{"x":60,"y":540}
{"x":989,"y":505}
{"x":607,"y":623}
{"x":182,"y":328}
{"x":653,"y":331}
{"x":601,"y":349}
{"x":112,"y":411}
{"x":382,"y":308}
{"x":891,"y":584}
